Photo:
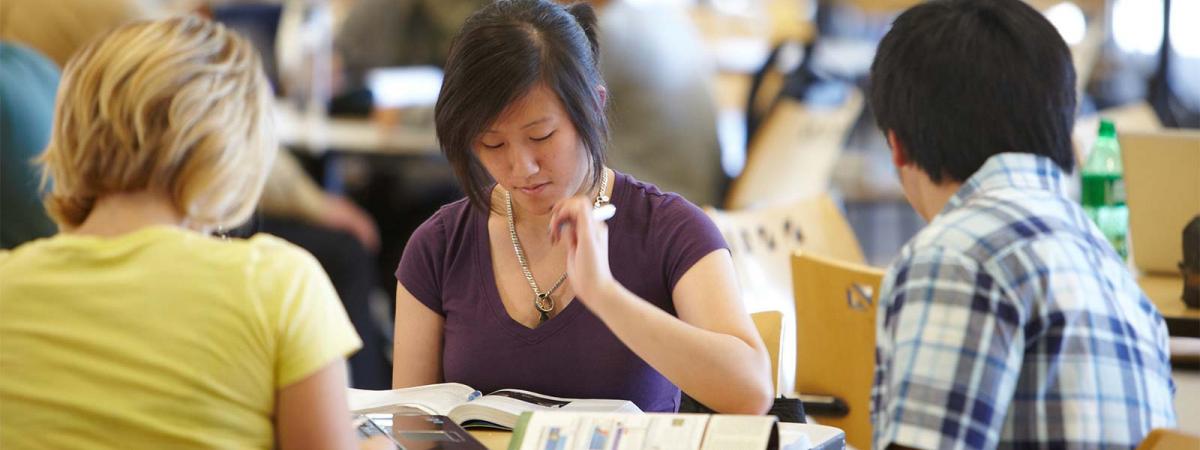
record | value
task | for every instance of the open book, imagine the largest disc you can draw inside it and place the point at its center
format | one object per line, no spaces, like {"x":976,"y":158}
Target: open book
{"x":467,"y":407}
{"x":539,"y":430}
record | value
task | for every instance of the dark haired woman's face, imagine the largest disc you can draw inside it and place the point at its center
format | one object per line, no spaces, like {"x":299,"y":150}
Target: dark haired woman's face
{"x":533,"y":151}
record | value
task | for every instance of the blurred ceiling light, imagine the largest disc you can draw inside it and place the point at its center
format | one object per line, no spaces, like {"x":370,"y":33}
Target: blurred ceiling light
{"x":1069,"y":20}
{"x":1185,"y":36}
{"x":1138,"y":25}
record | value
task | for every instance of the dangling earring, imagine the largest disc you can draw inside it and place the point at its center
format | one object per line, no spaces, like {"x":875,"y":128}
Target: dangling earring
{"x":221,"y":233}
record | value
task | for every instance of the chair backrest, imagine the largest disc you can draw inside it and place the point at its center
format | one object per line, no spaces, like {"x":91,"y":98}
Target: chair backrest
{"x":762,"y":239}
{"x":835,"y":338}
{"x":770,"y":326}
{"x":761,"y":242}
{"x":1167,"y":439}
{"x":793,"y":152}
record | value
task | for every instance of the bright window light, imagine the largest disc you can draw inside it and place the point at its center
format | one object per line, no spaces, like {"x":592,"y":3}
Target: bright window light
{"x":1138,"y":25}
{"x":1069,"y":20}
{"x":734,"y":7}
{"x":1185,"y":27}
{"x":405,"y":87}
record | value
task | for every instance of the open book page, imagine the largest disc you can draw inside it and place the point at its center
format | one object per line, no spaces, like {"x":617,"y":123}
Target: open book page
{"x":500,"y":409}
{"x":434,"y":399}
{"x":803,"y":436}
{"x":734,"y":431}
{"x":568,"y":431}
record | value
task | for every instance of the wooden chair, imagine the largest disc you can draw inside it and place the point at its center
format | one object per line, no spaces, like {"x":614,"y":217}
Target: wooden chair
{"x":761,"y":242}
{"x":835,"y":339}
{"x":1167,"y":439}
{"x":770,"y":325}
{"x":793,"y":152}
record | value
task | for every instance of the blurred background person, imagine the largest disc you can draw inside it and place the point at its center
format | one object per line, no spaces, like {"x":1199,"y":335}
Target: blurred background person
{"x":28,"y":81}
{"x":58,"y":29}
{"x":390,"y":33}
{"x":662,"y":108}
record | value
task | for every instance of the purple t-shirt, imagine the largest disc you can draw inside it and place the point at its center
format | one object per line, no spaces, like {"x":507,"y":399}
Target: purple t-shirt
{"x":654,"y":239}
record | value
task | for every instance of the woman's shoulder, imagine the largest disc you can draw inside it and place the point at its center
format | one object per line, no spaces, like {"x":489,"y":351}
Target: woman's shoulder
{"x":663,"y":217}
{"x":271,"y":249}
{"x":450,"y":234}
{"x":458,"y":211}
{"x":648,"y":202}
{"x":450,"y":223}
{"x":18,"y":258}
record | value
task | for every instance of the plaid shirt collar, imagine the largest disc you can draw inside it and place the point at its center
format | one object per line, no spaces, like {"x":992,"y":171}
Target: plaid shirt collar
{"x":1023,"y":171}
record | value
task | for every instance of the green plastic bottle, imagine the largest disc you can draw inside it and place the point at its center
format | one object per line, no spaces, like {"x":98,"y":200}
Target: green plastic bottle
{"x":1103,"y":189}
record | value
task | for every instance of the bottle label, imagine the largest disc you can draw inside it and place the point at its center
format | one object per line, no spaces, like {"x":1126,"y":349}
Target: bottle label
{"x":1116,"y":192}
{"x":1102,"y":190}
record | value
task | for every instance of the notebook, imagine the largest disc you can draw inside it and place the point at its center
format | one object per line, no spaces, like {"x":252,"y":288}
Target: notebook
{"x":1162,"y":184}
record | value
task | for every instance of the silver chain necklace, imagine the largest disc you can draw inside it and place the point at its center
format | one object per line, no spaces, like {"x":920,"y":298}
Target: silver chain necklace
{"x":542,"y":301}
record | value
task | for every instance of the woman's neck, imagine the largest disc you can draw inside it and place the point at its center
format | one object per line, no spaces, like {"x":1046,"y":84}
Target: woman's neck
{"x":528,"y":222}
{"x":121,"y":213}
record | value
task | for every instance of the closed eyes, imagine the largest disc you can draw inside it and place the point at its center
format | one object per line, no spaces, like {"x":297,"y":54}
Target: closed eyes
{"x":535,"y":139}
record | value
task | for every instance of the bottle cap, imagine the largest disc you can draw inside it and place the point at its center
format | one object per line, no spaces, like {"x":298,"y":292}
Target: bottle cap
{"x":1107,"y":129}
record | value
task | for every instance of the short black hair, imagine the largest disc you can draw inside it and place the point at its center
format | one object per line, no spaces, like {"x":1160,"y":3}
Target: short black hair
{"x":504,"y":50}
{"x":961,"y":80}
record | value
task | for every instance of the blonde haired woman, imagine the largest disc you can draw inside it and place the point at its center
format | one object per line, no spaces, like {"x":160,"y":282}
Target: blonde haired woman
{"x":135,"y":328}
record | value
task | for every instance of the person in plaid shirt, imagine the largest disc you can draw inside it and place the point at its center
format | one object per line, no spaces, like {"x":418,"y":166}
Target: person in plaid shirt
{"x":1008,"y":321}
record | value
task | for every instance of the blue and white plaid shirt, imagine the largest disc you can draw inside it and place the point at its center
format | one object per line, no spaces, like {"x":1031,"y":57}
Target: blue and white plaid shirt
{"x":1010,"y":322}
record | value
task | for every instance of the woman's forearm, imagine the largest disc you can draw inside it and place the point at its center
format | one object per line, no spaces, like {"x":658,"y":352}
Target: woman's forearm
{"x":722,"y":371}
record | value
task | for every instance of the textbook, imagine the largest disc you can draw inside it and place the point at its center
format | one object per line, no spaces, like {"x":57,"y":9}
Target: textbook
{"x":471,"y":409}
{"x":554,"y":430}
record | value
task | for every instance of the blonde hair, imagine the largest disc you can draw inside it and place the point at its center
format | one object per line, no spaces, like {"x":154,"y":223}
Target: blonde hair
{"x":178,"y":106}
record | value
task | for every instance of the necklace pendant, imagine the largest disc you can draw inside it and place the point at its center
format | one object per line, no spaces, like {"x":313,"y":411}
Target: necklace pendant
{"x":544,"y":303}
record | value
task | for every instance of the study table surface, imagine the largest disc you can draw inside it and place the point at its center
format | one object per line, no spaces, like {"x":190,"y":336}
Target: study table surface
{"x":822,"y":437}
{"x":353,"y":135}
{"x":1165,"y":292}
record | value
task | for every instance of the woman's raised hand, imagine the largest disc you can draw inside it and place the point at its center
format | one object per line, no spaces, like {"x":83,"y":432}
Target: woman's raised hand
{"x":586,"y":238}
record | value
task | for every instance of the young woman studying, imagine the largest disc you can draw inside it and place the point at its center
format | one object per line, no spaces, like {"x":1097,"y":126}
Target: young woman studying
{"x":519,"y":285}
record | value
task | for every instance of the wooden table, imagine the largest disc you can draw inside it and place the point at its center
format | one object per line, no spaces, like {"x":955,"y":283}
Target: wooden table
{"x":822,"y":437}
{"x":492,"y":439}
{"x":1165,"y":292}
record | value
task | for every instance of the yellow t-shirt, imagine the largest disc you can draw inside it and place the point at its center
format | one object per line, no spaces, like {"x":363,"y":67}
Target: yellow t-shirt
{"x":160,"y":338}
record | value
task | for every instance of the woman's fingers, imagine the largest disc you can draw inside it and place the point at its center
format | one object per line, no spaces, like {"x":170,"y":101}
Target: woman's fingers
{"x":570,"y":213}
